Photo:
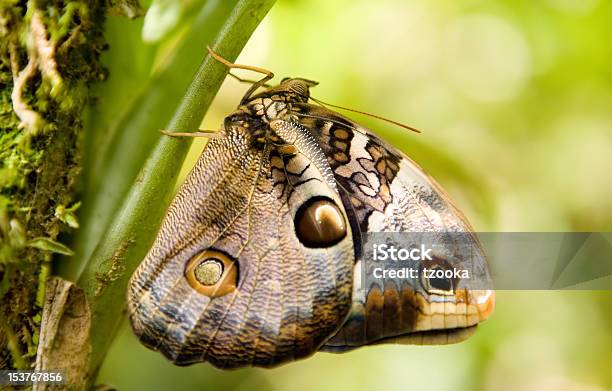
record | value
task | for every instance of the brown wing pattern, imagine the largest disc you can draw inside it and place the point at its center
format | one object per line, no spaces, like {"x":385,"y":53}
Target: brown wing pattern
{"x":385,"y":191}
{"x":236,"y":213}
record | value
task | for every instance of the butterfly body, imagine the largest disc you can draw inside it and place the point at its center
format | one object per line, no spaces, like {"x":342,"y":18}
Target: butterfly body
{"x":258,"y":260}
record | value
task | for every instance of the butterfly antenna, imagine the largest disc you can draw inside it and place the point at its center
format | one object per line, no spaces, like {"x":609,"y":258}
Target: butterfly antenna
{"x":401,"y":125}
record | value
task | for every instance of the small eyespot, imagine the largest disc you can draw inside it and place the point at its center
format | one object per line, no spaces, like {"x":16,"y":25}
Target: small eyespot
{"x":212,"y":273}
{"x":320,"y":223}
{"x":435,"y":279}
{"x":208,"y":272}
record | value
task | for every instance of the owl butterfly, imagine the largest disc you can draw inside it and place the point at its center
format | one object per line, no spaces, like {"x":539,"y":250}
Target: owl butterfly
{"x":258,"y":260}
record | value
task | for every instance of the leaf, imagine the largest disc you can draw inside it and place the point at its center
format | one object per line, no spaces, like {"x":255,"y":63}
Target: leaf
{"x":47,"y":244}
{"x":67,"y":215}
{"x":161,"y":17}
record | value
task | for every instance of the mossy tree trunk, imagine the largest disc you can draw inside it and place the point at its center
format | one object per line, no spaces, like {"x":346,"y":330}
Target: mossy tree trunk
{"x":49,"y":54}
{"x":49,"y":58}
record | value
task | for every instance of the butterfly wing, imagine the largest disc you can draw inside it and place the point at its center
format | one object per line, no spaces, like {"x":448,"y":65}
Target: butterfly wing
{"x":384,"y":191}
{"x":227,"y":279}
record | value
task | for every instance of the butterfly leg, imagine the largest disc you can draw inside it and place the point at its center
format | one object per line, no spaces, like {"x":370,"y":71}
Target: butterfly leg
{"x":200,"y":133}
{"x":262,"y":82}
{"x":249,"y":81}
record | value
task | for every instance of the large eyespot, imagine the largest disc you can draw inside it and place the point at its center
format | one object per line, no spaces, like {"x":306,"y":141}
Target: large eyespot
{"x":212,"y":273}
{"x":437,"y":277}
{"x":320,"y":223}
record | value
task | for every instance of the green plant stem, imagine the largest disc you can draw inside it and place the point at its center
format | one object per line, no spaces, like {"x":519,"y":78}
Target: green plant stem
{"x":133,"y":228}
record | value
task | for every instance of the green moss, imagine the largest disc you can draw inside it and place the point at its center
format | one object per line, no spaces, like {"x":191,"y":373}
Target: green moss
{"x":48,"y":58}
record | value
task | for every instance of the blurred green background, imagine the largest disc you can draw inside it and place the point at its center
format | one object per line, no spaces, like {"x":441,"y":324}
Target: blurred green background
{"x":514,"y":99}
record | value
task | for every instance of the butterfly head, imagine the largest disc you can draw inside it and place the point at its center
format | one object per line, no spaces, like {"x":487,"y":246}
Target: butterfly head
{"x":290,"y":89}
{"x":257,"y":112}
{"x":298,"y":85}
